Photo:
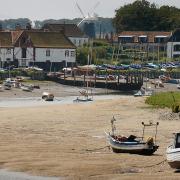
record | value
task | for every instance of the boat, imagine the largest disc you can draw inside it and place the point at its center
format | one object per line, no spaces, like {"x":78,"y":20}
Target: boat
{"x":85,"y":95}
{"x":173,"y":152}
{"x":7,"y":85}
{"x":132,"y":144}
{"x":178,"y":86}
{"x":48,"y":96}
{"x":27,"y":88}
{"x":144,"y":92}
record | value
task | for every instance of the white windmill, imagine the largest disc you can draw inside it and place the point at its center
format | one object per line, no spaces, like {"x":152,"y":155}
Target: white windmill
{"x":90,"y":17}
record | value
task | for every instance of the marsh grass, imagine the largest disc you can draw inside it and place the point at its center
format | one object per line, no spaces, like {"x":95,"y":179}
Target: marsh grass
{"x":163,"y":99}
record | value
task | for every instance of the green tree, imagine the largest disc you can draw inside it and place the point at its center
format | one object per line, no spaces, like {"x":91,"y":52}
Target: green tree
{"x":142,"y":15}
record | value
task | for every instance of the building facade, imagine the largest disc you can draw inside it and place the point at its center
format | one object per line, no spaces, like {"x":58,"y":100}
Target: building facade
{"x":43,"y":49}
{"x":173,"y":45}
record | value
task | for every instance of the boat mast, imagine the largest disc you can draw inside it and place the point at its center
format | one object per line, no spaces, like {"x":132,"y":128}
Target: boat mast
{"x":87,"y":75}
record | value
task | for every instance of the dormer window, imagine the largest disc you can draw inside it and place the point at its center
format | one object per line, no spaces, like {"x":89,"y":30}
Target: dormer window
{"x":126,"y":39}
{"x":142,"y":39}
{"x":160,"y":39}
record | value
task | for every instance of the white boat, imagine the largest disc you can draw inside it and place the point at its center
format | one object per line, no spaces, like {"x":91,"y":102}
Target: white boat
{"x":173,"y":152}
{"x":178,"y":86}
{"x":48,"y":96}
{"x":86,"y":94}
{"x":144,"y":92}
{"x":7,"y":85}
{"x":132,"y":144}
{"x":27,"y":88}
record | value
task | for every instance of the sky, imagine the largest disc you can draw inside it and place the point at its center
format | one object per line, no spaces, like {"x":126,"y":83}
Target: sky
{"x":59,"y":9}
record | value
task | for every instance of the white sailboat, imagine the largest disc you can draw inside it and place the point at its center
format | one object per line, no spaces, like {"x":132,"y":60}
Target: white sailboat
{"x":85,"y":94}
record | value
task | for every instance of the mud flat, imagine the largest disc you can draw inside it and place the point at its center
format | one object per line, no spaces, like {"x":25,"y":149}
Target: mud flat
{"x":68,"y":140}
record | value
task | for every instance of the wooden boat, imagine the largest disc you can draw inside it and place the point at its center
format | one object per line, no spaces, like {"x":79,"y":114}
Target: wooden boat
{"x":48,"y":96}
{"x":173,"y":152}
{"x":133,"y":144}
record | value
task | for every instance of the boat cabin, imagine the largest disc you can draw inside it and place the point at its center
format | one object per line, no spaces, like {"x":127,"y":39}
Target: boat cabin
{"x":177,"y":140}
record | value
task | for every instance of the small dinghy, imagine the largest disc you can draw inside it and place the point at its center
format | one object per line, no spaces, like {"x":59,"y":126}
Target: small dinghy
{"x":173,"y":152}
{"x":27,"y":88}
{"x":48,"y":96}
{"x":132,"y":144}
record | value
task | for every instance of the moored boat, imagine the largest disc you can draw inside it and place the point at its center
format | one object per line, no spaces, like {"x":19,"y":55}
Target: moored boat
{"x":173,"y":152}
{"x":48,"y":96}
{"x":133,"y":144}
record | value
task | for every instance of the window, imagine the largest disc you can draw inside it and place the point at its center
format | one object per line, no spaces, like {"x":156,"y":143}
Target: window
{"x":48,"y":52}
{"x":142,"y":39}
{"x":8,"y":51}
{"x":79,"y":42}
{"x":67,"y":53}
{"x":74,"y":41}
{"x":72,"y":53}
{"x":177,"y":47}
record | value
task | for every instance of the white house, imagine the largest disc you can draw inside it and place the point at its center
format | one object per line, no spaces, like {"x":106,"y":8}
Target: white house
{"x":44,"y":49}
{"x":72,"y":31}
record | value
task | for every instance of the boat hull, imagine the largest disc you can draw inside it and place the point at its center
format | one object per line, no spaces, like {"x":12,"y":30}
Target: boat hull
{"x":173,"y":157}
{"x":132,"y":147}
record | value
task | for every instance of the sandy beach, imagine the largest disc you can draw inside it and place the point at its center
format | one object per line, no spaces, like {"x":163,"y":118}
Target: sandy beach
{"x":68,"y":140}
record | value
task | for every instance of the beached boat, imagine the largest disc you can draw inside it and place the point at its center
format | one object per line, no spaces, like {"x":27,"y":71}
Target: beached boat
{"x":85,"y":94}
{"x":173,"y":152}
{"x":132,"y":144}
{"x":27,"y":88}
{"x":48,"y":96}
{"x":7,"y":85}
{"x":143,"y":92}
{"x":178,"y":86}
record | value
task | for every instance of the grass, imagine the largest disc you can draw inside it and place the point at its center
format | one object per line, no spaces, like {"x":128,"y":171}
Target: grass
{"x":163,"y":99}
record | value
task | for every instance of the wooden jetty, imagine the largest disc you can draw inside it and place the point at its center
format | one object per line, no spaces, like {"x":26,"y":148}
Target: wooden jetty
{"x":131,"y":81}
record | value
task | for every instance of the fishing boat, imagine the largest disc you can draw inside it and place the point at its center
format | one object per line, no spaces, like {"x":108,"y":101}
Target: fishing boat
{"x":48,"y":96}
{"x":173,"y":152}
{"x":133,"y":144}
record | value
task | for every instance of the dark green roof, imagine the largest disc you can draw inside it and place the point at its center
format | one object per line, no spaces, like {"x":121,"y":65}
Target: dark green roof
{"x":5,"y":39}
{"x":49,"y":39}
